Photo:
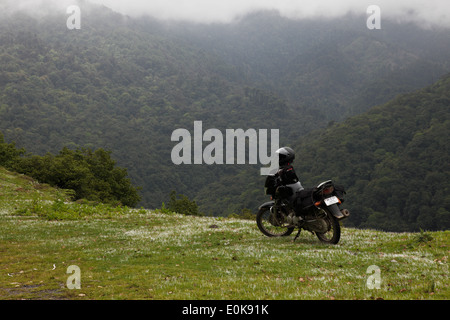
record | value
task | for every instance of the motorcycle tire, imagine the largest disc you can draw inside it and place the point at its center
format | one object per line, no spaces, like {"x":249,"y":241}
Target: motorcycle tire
{"x":271,"y":227}
{"x":333,"y":235}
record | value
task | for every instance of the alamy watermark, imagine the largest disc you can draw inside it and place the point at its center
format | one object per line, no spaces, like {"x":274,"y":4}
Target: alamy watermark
{"x":374,"y":280}
{"x":190,"y":148}
{"x":74,"y":280}
{"x":374,"y":20}
{"x":74,"y":20}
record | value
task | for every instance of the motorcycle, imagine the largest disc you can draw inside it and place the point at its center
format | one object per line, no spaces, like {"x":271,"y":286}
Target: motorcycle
{"x":315,"y":210}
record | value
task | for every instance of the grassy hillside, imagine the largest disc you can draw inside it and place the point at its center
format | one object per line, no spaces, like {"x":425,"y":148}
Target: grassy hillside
{"x":140,"y":254}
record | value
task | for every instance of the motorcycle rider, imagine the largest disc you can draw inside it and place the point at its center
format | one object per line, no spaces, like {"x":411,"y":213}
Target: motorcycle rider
{"x":288,"y":182}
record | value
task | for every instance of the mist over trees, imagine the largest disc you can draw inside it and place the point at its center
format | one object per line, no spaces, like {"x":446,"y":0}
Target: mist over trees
{"x":125,"y":84}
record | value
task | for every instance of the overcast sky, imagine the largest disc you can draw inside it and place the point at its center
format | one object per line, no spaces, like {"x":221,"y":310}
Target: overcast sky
{"x":424,"y":12}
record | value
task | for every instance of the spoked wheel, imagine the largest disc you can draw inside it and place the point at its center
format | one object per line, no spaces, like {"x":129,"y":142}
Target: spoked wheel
{"x":271,"y":224}
{"x":333,"y":234}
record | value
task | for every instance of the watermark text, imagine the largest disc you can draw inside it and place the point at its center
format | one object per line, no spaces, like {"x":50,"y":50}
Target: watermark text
{"x":74,"y":280}
{"x":74,"y":20}
{"x":221,"y":149}
{"x":374,"y":20}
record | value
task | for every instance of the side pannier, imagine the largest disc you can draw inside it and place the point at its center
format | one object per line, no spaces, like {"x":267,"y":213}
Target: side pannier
{"x":271,"y":184}
{"x":303,"y":200}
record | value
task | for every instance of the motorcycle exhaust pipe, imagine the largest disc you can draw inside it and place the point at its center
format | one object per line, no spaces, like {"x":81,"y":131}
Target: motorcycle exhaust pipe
{"x":345,"y":213}
{"x":338,"y":214}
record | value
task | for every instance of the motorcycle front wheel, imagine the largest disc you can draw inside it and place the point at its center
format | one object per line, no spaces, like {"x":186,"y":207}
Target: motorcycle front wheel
{"x":271,"y":224}
{"x":333,"y":235}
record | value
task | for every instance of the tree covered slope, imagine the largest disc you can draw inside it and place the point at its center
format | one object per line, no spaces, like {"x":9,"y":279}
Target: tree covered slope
{"x":394,"y":161}
{"x":124,"y":85}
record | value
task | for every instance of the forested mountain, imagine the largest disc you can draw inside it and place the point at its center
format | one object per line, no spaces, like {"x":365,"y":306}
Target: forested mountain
{"x":336,"y":66}
{"x":394,"y":161}
{"x":125,"y":84}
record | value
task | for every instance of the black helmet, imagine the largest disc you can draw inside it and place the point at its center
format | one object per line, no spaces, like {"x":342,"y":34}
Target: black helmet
{"x":285,"y":156}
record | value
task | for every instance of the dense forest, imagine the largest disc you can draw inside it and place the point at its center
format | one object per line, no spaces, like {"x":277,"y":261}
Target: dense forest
{"x":114,"y":86}
{"x":125,"y":84}
{"x":394,"y":161}
{"x":85,"y":174}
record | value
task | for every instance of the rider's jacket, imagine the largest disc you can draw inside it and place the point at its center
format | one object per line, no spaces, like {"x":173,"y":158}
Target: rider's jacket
{"x":287,"y":175}
{"x":289,"y":178}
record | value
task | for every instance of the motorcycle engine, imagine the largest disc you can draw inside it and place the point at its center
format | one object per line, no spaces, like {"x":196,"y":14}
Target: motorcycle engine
{"x":319,"y":226}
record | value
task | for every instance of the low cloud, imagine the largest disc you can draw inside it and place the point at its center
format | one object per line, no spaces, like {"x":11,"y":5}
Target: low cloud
{"x":35,"y":7}
{"x":425,"y":13}
{"x":419,"y":11}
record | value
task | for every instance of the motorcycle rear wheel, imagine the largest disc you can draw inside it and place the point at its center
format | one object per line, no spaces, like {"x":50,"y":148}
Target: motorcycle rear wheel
{"x":333,"y":235}
{"x":272,"y":226}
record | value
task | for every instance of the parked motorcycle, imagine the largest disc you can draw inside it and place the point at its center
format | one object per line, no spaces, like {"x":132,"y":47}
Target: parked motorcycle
{"x":316,"y":210}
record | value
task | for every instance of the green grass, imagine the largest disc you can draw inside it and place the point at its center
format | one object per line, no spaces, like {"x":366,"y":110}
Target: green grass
{"x":142,"y":254}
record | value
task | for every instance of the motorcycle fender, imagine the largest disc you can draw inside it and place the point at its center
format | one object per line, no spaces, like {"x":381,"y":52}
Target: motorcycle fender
{"x":267,"y":205}
{"x":334,"y":209}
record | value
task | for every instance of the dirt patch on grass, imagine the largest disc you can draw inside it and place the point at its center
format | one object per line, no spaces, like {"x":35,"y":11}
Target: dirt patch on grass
{"x":32,"y":292}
